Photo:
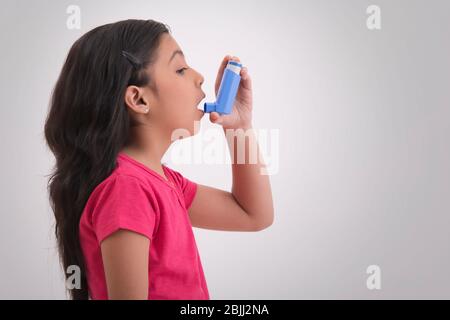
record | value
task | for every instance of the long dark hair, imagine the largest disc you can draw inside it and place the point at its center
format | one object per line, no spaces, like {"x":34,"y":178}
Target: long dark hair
{"x":88,"y":123}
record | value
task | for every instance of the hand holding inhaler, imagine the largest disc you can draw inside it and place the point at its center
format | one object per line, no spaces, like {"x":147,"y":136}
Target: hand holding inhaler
{"x":227,"y":90}
{"x":233,"y":88}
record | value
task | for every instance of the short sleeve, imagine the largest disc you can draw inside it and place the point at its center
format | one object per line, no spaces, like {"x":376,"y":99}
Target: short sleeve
{"x":187,"y":187}
{"x":123,"y":203}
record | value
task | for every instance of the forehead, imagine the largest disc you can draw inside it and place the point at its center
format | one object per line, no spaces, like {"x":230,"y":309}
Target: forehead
{"x":158,"y":70}
{"x":167,"y":46}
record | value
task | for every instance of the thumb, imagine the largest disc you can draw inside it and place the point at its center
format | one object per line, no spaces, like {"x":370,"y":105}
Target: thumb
{"x":215,"y":117}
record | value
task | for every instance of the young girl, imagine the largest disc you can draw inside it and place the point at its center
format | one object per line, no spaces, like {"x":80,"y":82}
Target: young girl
{"x":123,"y":218}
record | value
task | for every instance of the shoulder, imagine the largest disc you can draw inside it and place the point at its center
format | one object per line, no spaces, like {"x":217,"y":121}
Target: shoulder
{"x":120,"y":188}
{"x":121,"y":181}
{"x":123,"y":202}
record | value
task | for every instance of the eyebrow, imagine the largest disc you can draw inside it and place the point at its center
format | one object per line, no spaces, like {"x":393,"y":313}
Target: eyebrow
{"x":175,"y":53}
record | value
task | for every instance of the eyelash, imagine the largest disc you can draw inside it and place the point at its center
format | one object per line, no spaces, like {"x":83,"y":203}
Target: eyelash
{"x":181,"y":70}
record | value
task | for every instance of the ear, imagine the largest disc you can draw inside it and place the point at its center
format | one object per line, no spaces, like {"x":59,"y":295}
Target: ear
{"x":136,"y":100}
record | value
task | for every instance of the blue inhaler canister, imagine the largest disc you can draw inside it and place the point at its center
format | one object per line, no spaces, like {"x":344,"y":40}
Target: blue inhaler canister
{"x":227,"y":90}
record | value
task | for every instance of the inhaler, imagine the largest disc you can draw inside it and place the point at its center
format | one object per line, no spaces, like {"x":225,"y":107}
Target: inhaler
{"x":227,"y":90}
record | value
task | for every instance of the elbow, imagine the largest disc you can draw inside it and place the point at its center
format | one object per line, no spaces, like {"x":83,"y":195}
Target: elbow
{"x":264,"y":224}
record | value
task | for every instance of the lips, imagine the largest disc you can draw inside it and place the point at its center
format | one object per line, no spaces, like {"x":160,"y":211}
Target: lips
{"x":201,"y":113}
{"x":200,"y":101}
{"x":199,"y":107}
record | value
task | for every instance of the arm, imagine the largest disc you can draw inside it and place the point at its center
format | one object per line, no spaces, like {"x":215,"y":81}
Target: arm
{"x":125,"y":261}
{"x":249,"y":205}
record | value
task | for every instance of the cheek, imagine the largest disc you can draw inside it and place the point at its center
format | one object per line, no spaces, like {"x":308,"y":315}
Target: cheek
{"x":178,"y":108}
{"x":179,"y":98}
{"x":178,"y":111}
{"x":175,"y":93}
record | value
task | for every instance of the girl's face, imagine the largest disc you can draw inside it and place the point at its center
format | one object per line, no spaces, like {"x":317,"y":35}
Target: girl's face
{"x":173,"y":105}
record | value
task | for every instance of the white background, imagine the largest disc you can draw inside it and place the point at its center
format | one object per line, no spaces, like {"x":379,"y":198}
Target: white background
{"x":363,"y":119}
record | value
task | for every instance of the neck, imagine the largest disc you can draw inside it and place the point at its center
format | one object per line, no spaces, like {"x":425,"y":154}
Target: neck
{"x":148,"y":145}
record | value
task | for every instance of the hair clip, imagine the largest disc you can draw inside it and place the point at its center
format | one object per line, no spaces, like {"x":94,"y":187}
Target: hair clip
{"x":135,"y":63}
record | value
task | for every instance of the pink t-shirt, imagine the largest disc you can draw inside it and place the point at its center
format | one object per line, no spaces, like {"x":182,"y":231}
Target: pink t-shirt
{"x":136,"y":198}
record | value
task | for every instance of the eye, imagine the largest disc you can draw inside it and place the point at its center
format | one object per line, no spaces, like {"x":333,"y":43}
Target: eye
{"x":181,"y":71}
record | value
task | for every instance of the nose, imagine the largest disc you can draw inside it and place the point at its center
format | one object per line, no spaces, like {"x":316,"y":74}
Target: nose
{"x":200,"y":79}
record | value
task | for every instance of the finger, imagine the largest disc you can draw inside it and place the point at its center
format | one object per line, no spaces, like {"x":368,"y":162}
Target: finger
{"x":246,"y":79}
{"x":221,"y":71}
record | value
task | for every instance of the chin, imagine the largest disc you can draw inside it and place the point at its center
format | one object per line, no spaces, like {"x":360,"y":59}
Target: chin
{"x":194,"y":128}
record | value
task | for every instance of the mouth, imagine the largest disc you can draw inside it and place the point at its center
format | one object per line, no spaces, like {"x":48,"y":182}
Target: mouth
{"x":200,"y":105}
